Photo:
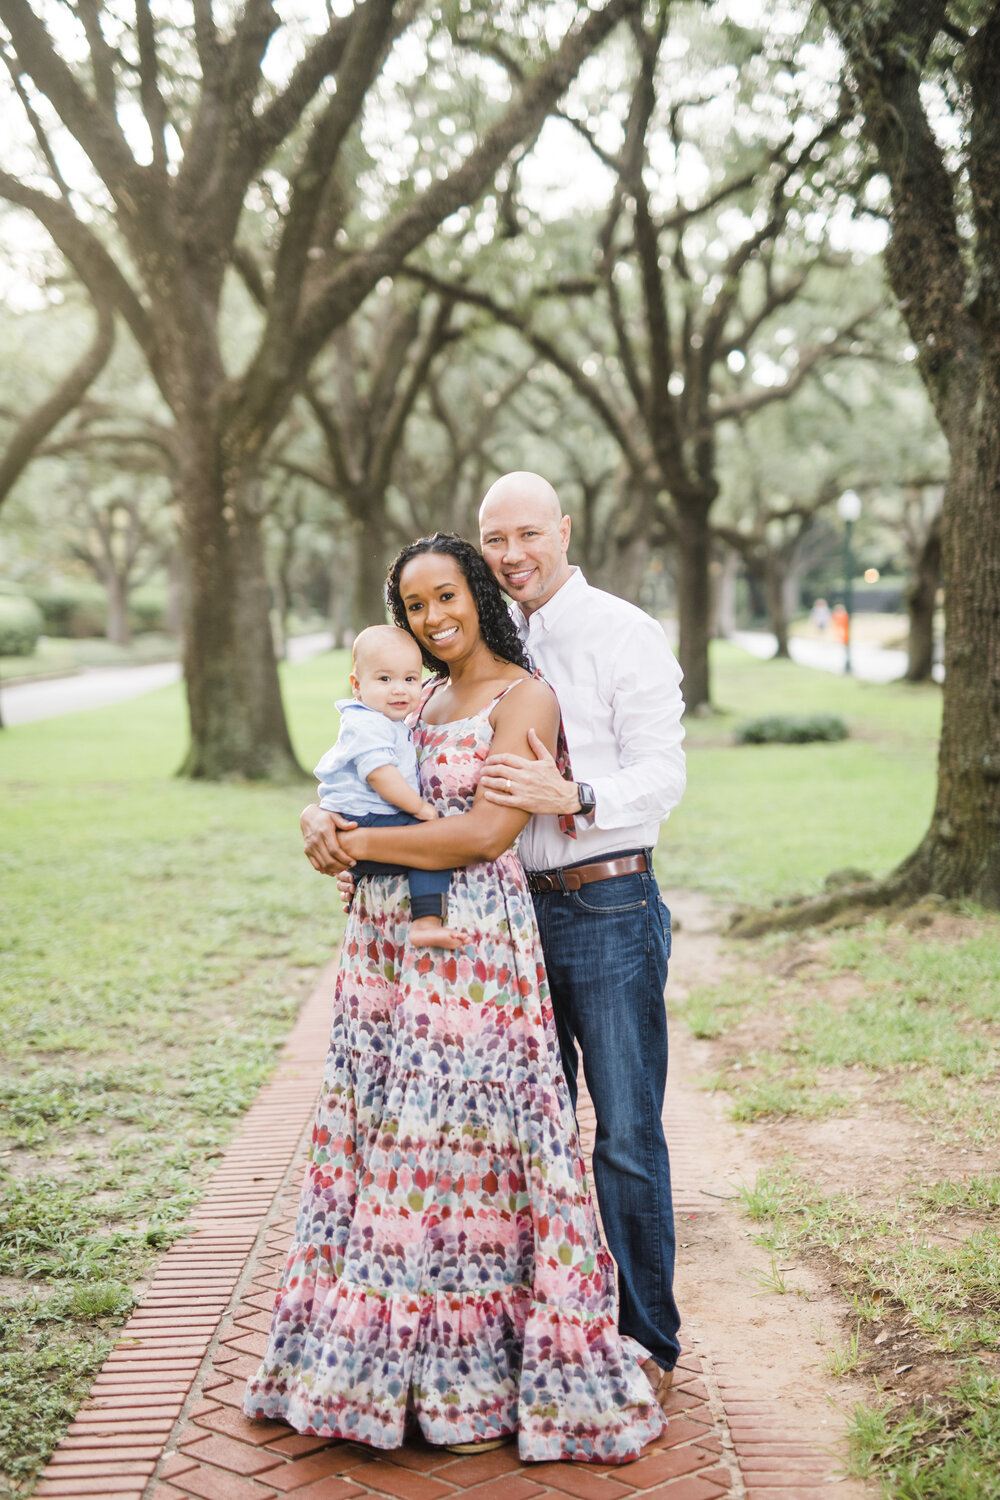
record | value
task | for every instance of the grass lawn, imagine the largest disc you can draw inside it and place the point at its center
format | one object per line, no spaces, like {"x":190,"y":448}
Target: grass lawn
{"x":158,"y":937}
{"x":759,"y":821}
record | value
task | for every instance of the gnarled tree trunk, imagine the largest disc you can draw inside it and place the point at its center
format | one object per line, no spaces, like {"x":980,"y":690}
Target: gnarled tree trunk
{"x":234,"y":699}
{"x":947,"y":279}
{"x":694,"y":544}
{"x":921,"y":600}
{"x":775,"y":594}
{"x":116,"y":627}
{"x":960,"y":853}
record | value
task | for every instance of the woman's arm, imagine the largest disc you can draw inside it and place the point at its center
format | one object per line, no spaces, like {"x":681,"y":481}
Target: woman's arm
{"x":487,"y":829}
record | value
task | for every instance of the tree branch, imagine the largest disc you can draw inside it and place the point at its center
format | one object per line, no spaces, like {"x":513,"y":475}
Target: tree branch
{"x":149,"y":85}
{"x":840,"y":346}
{"x":37,"y":128}
{"x":88,"y":257}
{"x":389,"y":433}
{"x":924,"y":255}
{"x":361,"y":60}
{"x":617,"y":426}
{"x":92,"y":123}
{"x":206,"y":40}
{"x":335,"y":296}
{"x":102,"y":57}
{"x":35,"y":427}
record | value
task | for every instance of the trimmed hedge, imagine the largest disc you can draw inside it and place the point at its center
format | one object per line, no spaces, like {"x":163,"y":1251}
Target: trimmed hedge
{"x":790,"y":729}
{"x":79,"y":610}
{"x":20,"y":625}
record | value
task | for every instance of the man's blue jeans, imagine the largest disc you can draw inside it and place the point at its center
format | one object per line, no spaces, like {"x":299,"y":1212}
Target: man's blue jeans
{"x":606,"y":949}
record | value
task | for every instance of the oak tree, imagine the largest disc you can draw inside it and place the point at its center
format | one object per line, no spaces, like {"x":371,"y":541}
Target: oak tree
{"x":182,"y":117}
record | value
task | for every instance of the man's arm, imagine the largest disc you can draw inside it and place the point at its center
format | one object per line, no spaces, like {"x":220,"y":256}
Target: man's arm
{"x":646,"y":712}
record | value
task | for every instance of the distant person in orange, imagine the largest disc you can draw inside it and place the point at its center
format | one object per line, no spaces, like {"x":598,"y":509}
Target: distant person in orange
{"x":841,"y":621}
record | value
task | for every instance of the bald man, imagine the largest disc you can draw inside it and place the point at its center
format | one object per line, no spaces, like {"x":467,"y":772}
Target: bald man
{"x":605,"y":931}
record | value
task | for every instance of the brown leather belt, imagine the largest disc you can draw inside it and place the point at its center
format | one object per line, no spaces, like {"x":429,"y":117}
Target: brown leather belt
{"x":572,"y":877}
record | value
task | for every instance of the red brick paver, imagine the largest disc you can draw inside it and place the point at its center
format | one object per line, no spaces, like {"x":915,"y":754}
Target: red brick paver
{"x":163,"y":1420}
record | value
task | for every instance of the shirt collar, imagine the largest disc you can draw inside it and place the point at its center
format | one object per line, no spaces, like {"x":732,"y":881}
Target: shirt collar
{"x":553,"y":609}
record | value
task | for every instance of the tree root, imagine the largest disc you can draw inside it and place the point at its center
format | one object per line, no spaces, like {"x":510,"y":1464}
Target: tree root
{"x":847,"y":906}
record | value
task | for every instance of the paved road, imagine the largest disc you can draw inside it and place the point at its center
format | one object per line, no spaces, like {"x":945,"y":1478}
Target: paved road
{"x":95,"y":687}
{"x":868,"y":662}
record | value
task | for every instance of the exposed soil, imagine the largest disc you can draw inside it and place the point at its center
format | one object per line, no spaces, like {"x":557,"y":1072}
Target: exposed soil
{"x":727,"y":1287}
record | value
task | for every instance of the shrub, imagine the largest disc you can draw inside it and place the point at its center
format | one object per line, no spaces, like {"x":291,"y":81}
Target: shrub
{"x":148,"y":608}
{"x":73,"y":609}
{"x":79,"y":609}
{"x":790,"y":729}
{"x":20,"y":625}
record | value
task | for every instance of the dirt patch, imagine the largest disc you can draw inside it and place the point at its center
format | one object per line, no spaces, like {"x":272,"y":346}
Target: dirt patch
{"x":788,"y":1319}
{"x":728,"y":1289}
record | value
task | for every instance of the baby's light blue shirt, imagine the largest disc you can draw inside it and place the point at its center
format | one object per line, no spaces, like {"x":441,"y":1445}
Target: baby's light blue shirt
{"x":366,"y":741}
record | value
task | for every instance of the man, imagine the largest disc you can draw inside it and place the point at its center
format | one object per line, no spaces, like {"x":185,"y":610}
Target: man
{"x":605,"y":932}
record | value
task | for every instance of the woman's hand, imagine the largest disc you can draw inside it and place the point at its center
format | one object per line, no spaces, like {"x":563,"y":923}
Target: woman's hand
{"x":323,"y":849}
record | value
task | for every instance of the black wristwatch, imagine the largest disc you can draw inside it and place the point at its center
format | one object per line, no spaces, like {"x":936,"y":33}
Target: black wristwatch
{"x":586,"y":798}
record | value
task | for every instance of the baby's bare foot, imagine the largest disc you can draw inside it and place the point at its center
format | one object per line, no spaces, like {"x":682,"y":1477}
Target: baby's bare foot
{"x":430,"y":932}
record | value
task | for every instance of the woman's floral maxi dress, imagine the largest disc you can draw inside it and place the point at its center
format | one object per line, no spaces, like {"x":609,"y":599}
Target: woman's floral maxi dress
{"x":447,"y":1269}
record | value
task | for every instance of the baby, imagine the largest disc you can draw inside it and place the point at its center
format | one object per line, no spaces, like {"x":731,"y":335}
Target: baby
{"x":370,"y":775}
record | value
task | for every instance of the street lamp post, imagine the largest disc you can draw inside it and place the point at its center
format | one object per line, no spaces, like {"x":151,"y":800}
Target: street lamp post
{"x":849,"y":509}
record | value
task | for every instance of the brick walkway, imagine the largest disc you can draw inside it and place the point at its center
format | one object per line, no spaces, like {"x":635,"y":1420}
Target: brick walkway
{"x":163,"y":1419}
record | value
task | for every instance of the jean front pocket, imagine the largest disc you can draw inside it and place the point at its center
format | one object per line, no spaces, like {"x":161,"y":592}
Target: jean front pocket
{"x":620,"y":893}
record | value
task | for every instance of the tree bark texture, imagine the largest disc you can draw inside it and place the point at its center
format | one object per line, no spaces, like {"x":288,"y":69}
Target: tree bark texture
{"x":371,"y":552}
{"x":954,"y":319}
{"x":921,"y":601}
{"x":117,"y":628}
{"x":722,"y":578}
{"x":775,"y":593}
{"x":694,"y":597}
{"x":960,"y":853}
{"x":234,"y":699}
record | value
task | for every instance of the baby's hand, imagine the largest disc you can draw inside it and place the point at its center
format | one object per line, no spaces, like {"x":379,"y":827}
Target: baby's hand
{"x":427,"y":813}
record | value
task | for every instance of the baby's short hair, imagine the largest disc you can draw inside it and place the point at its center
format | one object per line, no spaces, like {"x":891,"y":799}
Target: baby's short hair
{"x":385,"y":636}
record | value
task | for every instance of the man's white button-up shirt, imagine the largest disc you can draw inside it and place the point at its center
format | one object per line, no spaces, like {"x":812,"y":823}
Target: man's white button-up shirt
{"x":618,"y":684}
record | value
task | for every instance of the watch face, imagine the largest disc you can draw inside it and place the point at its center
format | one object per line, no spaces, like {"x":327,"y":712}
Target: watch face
{"x":585,"y":792}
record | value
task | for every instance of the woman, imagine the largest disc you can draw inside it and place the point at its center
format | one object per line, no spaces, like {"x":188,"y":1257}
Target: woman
{"x":447,"y":1270}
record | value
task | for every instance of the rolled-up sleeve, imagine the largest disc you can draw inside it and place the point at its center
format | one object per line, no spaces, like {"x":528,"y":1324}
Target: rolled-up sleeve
{"x":647,"y":706}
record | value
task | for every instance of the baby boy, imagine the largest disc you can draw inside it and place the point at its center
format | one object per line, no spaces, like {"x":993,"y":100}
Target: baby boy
{"x":370,"y":775}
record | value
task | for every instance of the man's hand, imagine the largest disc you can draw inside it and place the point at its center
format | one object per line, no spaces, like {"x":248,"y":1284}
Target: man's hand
{"x":534,"y":786}
{"x":323,"y":849}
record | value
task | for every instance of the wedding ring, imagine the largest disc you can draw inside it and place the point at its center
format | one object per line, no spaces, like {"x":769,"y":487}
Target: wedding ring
{"x":510,"y":786}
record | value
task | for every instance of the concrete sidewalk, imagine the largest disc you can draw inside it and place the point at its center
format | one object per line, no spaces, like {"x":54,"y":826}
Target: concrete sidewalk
{"x":163,"y":1420}
{"x":96,"y":687}
{"x":869,"y":662}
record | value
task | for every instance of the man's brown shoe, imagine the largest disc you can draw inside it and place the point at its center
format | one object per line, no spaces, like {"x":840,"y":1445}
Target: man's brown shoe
{"x":661,"y":1380}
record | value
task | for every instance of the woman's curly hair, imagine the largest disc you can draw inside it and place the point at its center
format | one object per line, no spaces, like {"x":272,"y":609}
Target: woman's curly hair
{"x":495,"y":624}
